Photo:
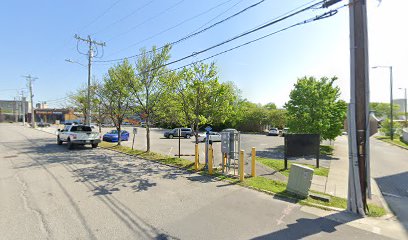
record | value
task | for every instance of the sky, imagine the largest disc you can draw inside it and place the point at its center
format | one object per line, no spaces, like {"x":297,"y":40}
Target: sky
{"x":37,"y":37}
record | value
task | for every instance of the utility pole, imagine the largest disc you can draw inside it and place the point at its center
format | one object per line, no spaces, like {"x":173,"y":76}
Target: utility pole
{"x":15,"y":110}
{"x":359,"y":144}
{"x":90,"y":56}
{"x":30,"y":80}
{"x":23,"y":106}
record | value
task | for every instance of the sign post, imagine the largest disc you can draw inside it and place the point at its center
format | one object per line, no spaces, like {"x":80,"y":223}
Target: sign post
{"x":134,"y":133}
{"x":179,"y":137}
{"x":207,"y":140}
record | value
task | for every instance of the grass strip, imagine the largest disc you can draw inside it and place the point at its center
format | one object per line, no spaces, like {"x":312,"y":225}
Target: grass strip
{"x":279,"y":189}
{"x":260,"y":183}
{"x":396,"y":141}
{"x":173,"y":161}
{"x":279,"y":165}
{"x":326,"y":150}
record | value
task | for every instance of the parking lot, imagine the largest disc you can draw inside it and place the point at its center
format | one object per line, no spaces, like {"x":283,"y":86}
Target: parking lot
{"x":266,"y":146}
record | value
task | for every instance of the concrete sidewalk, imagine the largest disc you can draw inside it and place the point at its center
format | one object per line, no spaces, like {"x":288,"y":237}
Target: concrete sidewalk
{"x":337,"y":181}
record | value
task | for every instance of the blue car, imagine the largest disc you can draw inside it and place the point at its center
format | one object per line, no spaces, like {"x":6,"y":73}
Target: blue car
{"x":112,"y":136}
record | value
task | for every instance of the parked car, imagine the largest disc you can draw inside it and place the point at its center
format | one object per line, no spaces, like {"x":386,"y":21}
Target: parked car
{"x":43,"y":124}
{"x":273,"y":132}
{"x":285,"y":131}
{"x":112,"y":136}
{"x":107,"y":125}
{"x":185,"y":132}
{"x":78,"y":135}
{"x":213,"y":136}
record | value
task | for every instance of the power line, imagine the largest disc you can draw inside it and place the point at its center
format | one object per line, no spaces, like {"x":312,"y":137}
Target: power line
{"x":148,"y":20}
{"x":222,"y":13}
{"x":125,"y":17}
{"x":245,"y":33}
{"x":322,"y":16}
{"x":193,"y":34}
{"x":100,"y":16}
{"x":175,"y":26}
{"x":319,"y":17}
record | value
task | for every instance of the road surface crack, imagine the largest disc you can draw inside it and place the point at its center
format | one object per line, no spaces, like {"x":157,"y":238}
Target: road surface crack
{"x":23,"y":194}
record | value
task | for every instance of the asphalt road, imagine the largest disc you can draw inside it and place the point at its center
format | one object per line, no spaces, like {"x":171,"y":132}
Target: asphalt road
{"x":389,"y":168}
{"x":50,"y":192}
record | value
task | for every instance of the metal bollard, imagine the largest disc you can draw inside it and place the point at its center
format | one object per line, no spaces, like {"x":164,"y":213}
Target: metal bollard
{"x":253,"y":173}
{"x":241,"y":165}
{"x":197,"y":157}
{"x":210,"y":160}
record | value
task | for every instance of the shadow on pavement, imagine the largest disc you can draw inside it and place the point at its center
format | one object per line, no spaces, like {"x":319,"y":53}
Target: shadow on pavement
{"x":305,"y":227}
{"x":111,"y":172}
{"x":395,"y":191}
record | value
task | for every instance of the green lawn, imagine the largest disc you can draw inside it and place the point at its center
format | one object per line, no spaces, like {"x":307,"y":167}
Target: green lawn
{"x":279,"y":165}
{"x":279,"y":189}
{"x":260,"y":183}
{"x":396,"y":141}
{"x":174,"y":161}
{"x":326,"y":150}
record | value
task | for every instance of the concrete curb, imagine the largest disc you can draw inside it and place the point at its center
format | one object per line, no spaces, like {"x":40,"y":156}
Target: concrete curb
{"x":294,"y":200}
{"x":393,"y":144}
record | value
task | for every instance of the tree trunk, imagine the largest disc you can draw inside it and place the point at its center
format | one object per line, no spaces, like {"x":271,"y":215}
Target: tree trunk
{"x":195,"y":129}
{"x":119,"y":135}
{"x":148,"y":134}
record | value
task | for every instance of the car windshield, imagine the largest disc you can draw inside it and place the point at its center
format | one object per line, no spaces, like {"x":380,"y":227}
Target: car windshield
{"x":114,"y":132}
{"x":81,"y":129}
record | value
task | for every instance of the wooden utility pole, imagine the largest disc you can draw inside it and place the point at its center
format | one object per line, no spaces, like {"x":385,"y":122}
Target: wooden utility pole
{"x":30,"y":81}
{"x":359,"y":117}
{"x":90,"y":56}
{"x":23,"y":106}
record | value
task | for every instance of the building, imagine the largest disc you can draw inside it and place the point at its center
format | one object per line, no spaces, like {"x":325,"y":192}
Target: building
{"x":54,"y":115}
{"x":14,"y":110}
{"x":41,"y":105}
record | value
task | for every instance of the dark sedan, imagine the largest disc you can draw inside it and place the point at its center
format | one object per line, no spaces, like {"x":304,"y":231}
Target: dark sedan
{"x":112,"y":136}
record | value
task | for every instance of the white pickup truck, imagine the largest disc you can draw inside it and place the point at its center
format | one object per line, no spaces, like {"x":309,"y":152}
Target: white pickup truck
{"x":78,"y":135}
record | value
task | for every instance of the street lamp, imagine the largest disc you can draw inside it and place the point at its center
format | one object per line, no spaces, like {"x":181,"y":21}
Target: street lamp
{"x":391,"y":103}
{"x":88,"y":110}
{"x":405,"y":106}
{"x":71,"y":61}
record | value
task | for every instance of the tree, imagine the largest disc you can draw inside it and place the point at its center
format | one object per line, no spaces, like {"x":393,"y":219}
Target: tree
{"x":382,"y":110}
{"x":150,"y":83}
{"x":202,"y":98}
{"x":277,"y":118}
{"x":114,"y":95}
{"x":78,"y":100}
{"x":314,"y":107}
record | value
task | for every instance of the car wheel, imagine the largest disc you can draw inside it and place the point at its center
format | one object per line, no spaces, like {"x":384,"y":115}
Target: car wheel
{"x":59,"y":142}
{"x":69,"y":144}
{"x":188,"y":136}
{"x":94,"y":145}
{"x":171,"y":136}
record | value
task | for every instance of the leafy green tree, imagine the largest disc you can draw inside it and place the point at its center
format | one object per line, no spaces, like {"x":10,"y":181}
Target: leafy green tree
{"x":382,"y":110}
{"x":277,"y":118}
{"x":150,"y":83}
{"x":314,"y":107}
{"x":114,"y":95}
{"x":202,"y":98}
